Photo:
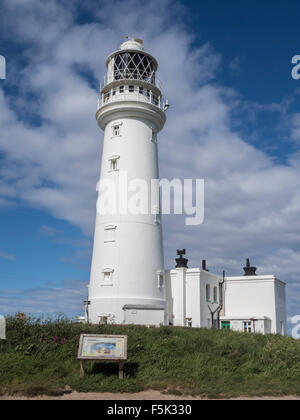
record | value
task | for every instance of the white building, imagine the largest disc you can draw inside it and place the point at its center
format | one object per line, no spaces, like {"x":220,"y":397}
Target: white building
{"x":255,"y":303}
{"x":128,"y":282}
{"x":250,"y":303}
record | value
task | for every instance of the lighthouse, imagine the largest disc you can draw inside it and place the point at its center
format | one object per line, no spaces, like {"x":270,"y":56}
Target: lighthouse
{"x":127,"y":282}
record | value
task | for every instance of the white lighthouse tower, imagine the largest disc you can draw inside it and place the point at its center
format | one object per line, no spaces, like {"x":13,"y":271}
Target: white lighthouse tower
{"x":127,"y":273}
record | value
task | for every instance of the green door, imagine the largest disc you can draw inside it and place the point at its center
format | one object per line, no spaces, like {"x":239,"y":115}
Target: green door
{"x":225,"y":325}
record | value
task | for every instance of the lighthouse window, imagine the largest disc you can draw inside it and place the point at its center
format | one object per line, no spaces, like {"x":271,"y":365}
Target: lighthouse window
{"x":131,"y":88}
{"x":141,"y":90}
{"x":160,"y":276}
{"x":113,"y":164}
{"x":103,"y":320}
{"x":107,"y":278}
{"x":110,"y":233}
{"x":116,"y":130}
{"x":131,"y":65}
{"x":121,"y":89}
{"x":153,"y":136}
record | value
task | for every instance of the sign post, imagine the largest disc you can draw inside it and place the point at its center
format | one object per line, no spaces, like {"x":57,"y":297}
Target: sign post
{"x":102,"y":347}
{"x":86,"y":303}
{"x":2,"y":328}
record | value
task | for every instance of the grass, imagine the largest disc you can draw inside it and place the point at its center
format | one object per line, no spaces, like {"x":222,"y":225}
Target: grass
{"x":39,"y":357}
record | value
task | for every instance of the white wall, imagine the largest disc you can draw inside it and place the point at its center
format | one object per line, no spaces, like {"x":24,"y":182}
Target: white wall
{"x":193,"y":298}
{"x":177,"y":304}
{"x":212,"y":280}
{"x":245,"y":297}
{"x":256,"y":296}
{"x":136,"y":254}
{"x":144,"y":317}
{"x":186,"y":295}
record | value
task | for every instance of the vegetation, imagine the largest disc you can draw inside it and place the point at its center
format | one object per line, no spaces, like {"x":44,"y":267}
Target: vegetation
{"x":39,"y":357}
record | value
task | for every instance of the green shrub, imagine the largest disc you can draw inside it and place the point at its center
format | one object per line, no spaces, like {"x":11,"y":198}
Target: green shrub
{"x":40,"y":356}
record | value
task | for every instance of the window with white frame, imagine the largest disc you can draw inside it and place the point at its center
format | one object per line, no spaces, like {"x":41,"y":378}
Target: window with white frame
{"x":121,"y":89}
{"x":248,"y":326}
{"x":189,"y":322}
{"x":114,"y":163}
{"x":110,"y":233}
{"x":103,"y":320}
{"x":153,"y":135}
{"x":107,"y":277}
{"x":208,"y":292}
{"x":131,"y":88}
{"x":215,"y":294}
{"x":116,"y":130}
{"x":156,"y":212}
{"x":160,"y":279}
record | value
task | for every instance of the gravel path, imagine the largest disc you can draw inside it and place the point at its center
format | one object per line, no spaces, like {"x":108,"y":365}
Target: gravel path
{"x":145,"y":395}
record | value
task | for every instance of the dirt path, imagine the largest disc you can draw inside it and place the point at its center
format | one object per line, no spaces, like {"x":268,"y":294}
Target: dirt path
{"x":145,"y":395}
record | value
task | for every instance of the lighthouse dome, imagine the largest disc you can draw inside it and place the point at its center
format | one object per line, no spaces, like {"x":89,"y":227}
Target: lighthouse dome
{"x":133,"y":44}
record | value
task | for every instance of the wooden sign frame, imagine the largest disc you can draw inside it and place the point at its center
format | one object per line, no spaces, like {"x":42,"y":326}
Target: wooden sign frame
{"x":104,"y":357}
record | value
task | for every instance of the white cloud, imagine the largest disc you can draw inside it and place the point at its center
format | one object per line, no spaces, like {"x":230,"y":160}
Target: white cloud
{"x":67,"y":299}
{"x":7,"y":256}
{"x":49,"y":231}
{"x":295,"y":127}
{"x":252,"y":203}
{"x":234,"y":64}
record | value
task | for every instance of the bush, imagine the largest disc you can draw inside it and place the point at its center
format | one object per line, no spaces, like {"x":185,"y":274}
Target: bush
{"x":40,"y":356}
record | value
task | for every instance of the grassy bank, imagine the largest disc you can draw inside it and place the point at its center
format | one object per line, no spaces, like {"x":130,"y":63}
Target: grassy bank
{"x":39,"y":358}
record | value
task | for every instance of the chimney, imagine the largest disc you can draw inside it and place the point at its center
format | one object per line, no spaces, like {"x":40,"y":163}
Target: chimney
{"x":204,"y":265}
{"x":181,"y":262}
{"x":249,"y":271}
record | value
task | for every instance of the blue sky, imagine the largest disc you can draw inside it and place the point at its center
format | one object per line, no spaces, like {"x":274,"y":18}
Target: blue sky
{"x":234,"y":121}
